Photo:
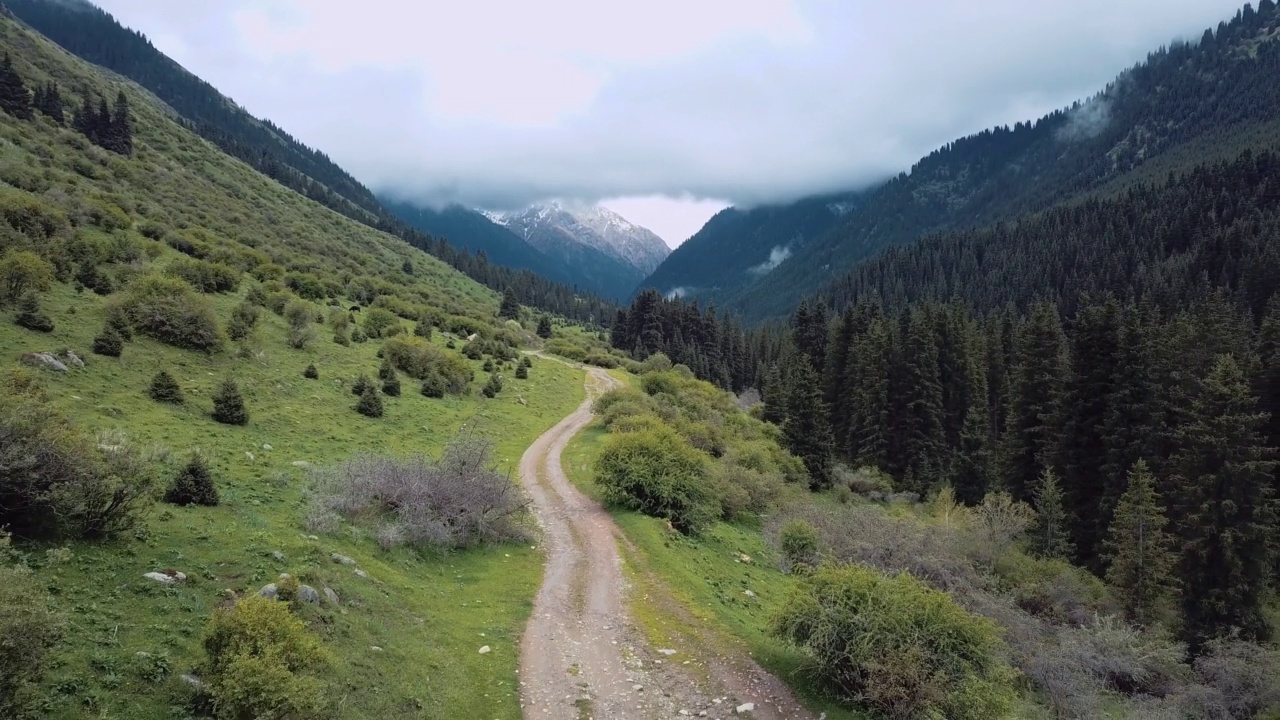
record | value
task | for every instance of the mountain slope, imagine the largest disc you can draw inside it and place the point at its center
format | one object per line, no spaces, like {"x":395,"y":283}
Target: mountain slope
{"x":1183,"y":102}
{"x":555,"y":225}
{"x":95,"y":36}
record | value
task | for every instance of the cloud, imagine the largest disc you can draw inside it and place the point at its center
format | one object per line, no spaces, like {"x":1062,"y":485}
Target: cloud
{"x":499,"y":104}
{"x":777,"y":256}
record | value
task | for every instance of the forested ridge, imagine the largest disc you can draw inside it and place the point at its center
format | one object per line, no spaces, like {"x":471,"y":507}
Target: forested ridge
{"x":97,"y":37}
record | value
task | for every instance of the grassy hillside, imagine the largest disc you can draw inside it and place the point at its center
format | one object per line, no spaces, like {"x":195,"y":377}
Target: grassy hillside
{"x":404,"y":639}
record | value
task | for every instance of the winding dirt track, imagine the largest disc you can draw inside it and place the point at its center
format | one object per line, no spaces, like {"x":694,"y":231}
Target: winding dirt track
{"x":581,"y":656}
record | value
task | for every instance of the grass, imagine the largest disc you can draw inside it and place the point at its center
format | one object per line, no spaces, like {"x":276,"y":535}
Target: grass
{"x":708,"y":576}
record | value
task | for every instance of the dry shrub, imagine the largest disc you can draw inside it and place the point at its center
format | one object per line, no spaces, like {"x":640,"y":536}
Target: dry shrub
{"x":455,"y":501}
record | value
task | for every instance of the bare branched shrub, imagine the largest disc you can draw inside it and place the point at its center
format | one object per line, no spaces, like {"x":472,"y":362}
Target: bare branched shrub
{"x":455,"y":501}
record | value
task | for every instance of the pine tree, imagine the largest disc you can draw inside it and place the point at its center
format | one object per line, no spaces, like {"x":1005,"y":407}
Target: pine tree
{"x":30,"y":316}
{"x":228,"y":405}
{"x":120,"y":127}
{"x":806,"y":430}
{"x":544,"y":327}
{"x":370,"y":403}
{"x":311,"y":373}
{"x":1050,"y":536}
{"x":193,"y":485}
{"x":1141,"y":562}
{"x":510,"y":308}
{"x":920,"y":425}
{"x":361,"y":384}
{"x":108,"y":343}
{"x":15,"y":98}
{"x":1222,"y":496}
{"x":164,"y":388}
{"x":870,"y":420}
{"x":972,"y":475}
{"x":1129,"y":431}
{"x":1036,"y":386}
{"x":809,"y":327}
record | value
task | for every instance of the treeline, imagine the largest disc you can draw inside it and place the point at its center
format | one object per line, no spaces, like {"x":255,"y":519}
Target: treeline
{"x":106,"y":127}
{"x":97,"y":37}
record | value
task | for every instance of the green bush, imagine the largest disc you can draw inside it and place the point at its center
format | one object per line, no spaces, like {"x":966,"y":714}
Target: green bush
{"x":799,"y":542}
{"x":30,"y":316}
{"x":370,"y":403}
{"x":228,"y":405}
{"x":391,"y":386}
{"x":420,"y":360}
{"x":193,"y":485}
{"x":895,"y":646}
{"x":742,"y":490}
{"x":658,"y":473}
{"x":522,"y":372}
{"x":378,"y":321}
{"x":29,"y":630}
{"x":361,"y":385}
{"x":493,"y":387}
{"x":108,"y":343}
{"x":169,"y":310}
{"x":488,"y":365}
{"x":311,"y":373}
{"x":205,"y":276}
{"x":259,"y":663}
{"x":601,"y":359}
{"x":92,"y":277}
{"x":566,"y":349}
{"x":434,"y":385}
{"x":22,"y":272}
{"x":164,"y":388}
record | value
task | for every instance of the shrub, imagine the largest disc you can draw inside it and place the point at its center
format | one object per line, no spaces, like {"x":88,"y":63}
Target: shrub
{"x":896,"y":646}
{"x":798,"y":540}
{"x":601,"y":359}
{"x":258,"y":663}
{"x":164,"y":388}
{"x":193,"y":485}
{"x":357,"y":335}
{"x":488,"y":365}
{"x":56,"y":482}
{"x":169,"y":310}
{"x":207,"y":277}
{"x":391,"y":386}
{"x":22,"y":272}
{"x":228,"y":405}
{"x":361,"y":385}
{"x":434,"y":385}
{"x":419,"y":359}
{"x":522,"y":372}
{"x":658,"y":473}
{"x":544,"y":327}
{"x":657,"y":362}
{"x":29,"y":315}
{"x":370,"y":403}
{"x":311,"y":373}
{"x":566,"y":349}
{"x":423,"y":330}
{"x":455,"y":501}
{"x":108,"y":343}
{"x":341,"y":338}
{"x":28,"y":631}
{"x":493,"y":387}
{"x":118,"y":322}
{"x":377,"y":321}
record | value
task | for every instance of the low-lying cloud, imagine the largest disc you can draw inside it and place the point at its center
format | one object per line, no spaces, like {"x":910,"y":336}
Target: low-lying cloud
{"x":499,"y":104}
{"x":777,"y":256}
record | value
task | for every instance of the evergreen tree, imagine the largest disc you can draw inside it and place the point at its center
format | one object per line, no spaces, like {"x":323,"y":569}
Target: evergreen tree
{"x":15,"y":98}
{"x":809,"y":328}
{"x":108,"y":343}
{"x":1223,"y":499}
{"x":361,"y":384}
{"x":920,"y":430}
{"x":544,"y":327}
{"x":120,"y":128}
{"x":1141,"y":562}
{"x":228,"y":405}
{"x":1050,"y":536}
{"x":1129,"y":431}
{"x":164,"y":388}
{"x":193,"y":485}
{"x":311,"y":373}
{"x":871,"y":420}
{"x":370,"y":403}
{"x":1036,"y":386}
{"x":972,"y":475}
{"x":30,"y":316}
{"x":806,"y":430}
{"x":423,"y":329}
{"x":48,"y":101}
{"x":510,"y":308}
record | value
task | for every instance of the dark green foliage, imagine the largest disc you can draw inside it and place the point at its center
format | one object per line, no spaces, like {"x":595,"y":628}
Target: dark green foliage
{"x":488,"y":365}
{"x":169,"y":310}
{"x":434,"y":385}
{"x":918,"y":436}
{"x":228,"y":405}
{"x":544,"y":327}
{"x":48,"y":101}
{"x":386,"y":371}
{"x":108,"y":343}
{"x":92,"y":277}
{"x":30,"y":316}
{"x":423,"y":329}
{"x":799,"y":542}
{"x":370,"y":403}
{"x":807,"y":433}
{"x":311,"y":373}
{"x":106,"y":128}
{"x":522,"y":372}
{"x":493,"y":387}
{"x":1038,"y":372}
{"x":510,"y":307}
{"x":361,"y":385}
{"x":1050,"y":534}
{"x":15,"y":98}
{"x":658,"y":473}
{"x":193,"y":485}
{"x":164,"y":388}
{"x":1139,"y":552}
{"x":972,"y":476}
{"x":895,"y":646}
{"x":29,"y":631}
{"x":391,"y":386}
{"x":357,"y":335}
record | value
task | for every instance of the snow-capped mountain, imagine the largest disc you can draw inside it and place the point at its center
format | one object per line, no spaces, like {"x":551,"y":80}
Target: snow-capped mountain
{"x":555,"y":227}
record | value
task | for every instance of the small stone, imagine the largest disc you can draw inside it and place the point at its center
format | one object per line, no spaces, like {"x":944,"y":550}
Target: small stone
{"x":249,"y":456}
{"x":684,"y":712}
{"x":745,"y":708}
{"x":277,"y":556}
{"x":748,"y":593}
{"x":73,"y":359}
{"x":269,"y":591}
{"x":361,"y":573}
{"x":342,"y":559}
{"x":193,"y":681}
{"x":167,"y":577}
{"x":266,"y":446}
{"x":666,"y":651}
{"x":301,"y":464}
{"x":332,"y":596}
{"x":308,"y":594}
{"x":375,"y":648}
{"x":485,"y":650}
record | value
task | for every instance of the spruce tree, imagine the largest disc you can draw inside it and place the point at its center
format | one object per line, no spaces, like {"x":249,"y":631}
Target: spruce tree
{"x":971,"y":477}
{"x":1036,"y":386}
{"x":809,"y":328}
{"x":228,"y":405}
{"x":164,"y":388}
{"x":510,"y":308}
{"x":806,"y":430}
{"x":1141,"y":562}
{"x":370,"y":403}
{"x":15,"y":98}
{"x":193,"y":485}
{"x":920,"y":429}
{"x":361,"y":384}
{"x":108,"y":343}
{"x":311,"y":373}
{"x":30,"y":316}
{"x":544,"y":327}
{"x":120,"y":127}
{"x":870,"y":418}
{"x":1222,"y":494}
{"x":1050,"y":535}
{"x":1130,"y":431}
{"x":49,"y":102}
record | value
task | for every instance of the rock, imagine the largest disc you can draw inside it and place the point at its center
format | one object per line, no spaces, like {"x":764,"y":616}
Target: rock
{"x":743,"y":557}
{"x":166,"y":577}
{"x":72,"y":359}
{"x":342,"y":559}
{"x":375,"y":648}
{"x":485,"y":650}
{"x":249,"y":456}
{"x":666,"y":651}
{"x":301,"y":464}
{"x":269,"y":591}
{"x":748,"y":593}
{"x":361,"y":573}
{"x":44,"y":359}
{"x":308,"y":594}
{"x":332,"y":596}
{"x":745,"y":708}
{"x":277,"y":556}
{"x":266,"y":446}
{"x":637,"y":687}
{"x":192,"y":680}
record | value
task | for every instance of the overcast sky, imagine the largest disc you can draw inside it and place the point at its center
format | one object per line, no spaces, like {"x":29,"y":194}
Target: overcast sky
{"x":665,"y":109}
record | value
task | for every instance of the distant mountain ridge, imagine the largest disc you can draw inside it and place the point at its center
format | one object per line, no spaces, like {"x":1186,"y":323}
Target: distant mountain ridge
{"x":550,"y":226}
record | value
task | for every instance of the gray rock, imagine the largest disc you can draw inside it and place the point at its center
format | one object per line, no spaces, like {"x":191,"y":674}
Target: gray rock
{"x":361,"y":573}
{"x":904,"y":497}
{"x":666,"y":651}
{"x":308,"y":594}
{"x":332,"y":596}
{"x":44,"y":359}
{"x":745,"y":708}
{"x":266,"y":446}
{"x":192,"y":680}
{"x":166,"y":578}
{"x":485,"y":650}
{"x":249,"y":456}
{"x":301,"y":464}
{"x":72,"y":359}
{"x":277,"y":556}
{"x":269,"y":591}
{"x":342,"y":559}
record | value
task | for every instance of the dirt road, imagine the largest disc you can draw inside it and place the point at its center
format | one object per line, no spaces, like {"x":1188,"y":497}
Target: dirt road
{"x":581,"y":656}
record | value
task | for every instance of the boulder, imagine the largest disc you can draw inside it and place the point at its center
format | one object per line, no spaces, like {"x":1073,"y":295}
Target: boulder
{"x":269,"y":591}
{"x":308,"y":594}
{"x":71,"y":358}
{"x":342,"y":559}
{"x":45,"y":360}
{"x":332,"y":596}
{"x":166,"y":577}
{"x":485,"y":650}
{"x":745,"y":708}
